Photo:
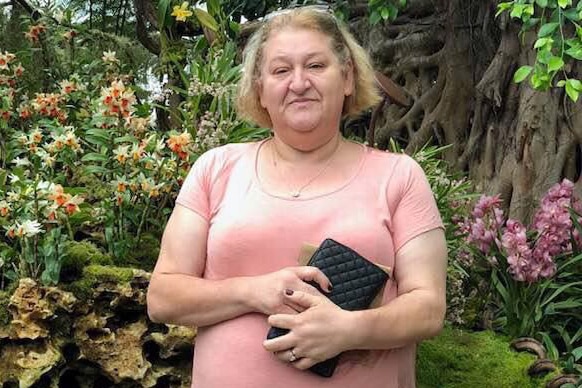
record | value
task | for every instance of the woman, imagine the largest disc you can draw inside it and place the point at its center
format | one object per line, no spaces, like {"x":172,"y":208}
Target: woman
{"x":228,"y":261}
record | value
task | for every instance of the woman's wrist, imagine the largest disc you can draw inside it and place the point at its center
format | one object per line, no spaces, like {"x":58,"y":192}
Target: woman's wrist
{"x":353,"y":330}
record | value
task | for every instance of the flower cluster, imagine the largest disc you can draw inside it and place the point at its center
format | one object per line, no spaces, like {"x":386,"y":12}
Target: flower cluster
{"x":61,"y":200}
{"x":211,"y":131}
{"x":180,"y":144}
{"x":215,"y":89}
{"x":33,"y":34}
{"x":530,"y":256}
{"x":48,"y":104}
{"x":118,"y":101}
{"x":28,"y":228}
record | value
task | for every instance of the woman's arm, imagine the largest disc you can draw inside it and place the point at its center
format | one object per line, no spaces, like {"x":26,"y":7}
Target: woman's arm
{"x":419,"y":309}
{"x":324,"y":330}
{"x":177,"y":294}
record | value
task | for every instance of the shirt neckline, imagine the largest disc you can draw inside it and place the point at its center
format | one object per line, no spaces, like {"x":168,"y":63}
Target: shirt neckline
{"x":348,"y":181}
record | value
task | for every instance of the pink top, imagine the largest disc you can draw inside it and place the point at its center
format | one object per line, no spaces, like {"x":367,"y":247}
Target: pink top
{"x":387,"y":202}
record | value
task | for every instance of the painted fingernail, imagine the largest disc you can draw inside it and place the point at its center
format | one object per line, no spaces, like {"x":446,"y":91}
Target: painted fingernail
{"x":288,"y":292}
{"x":329,"y":288}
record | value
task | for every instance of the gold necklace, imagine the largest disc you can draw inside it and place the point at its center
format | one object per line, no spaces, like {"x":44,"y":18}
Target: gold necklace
{"x":297,"y":192}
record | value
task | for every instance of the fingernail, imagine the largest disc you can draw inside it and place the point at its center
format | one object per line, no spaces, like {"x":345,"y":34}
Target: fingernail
{"x":288,"y":292}
{"x":329,"y":288}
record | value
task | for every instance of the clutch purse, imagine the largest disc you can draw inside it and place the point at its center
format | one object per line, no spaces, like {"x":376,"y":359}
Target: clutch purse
{"x":356,"y":282}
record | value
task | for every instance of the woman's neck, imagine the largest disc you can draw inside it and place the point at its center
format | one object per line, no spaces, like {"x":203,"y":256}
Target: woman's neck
{"x":315,"y":154}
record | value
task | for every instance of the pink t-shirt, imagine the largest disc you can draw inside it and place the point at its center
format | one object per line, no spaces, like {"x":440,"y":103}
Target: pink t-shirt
{"x":387,"y":202}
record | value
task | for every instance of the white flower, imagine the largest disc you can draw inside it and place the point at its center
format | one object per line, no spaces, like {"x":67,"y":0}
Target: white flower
{"x":109,"y":57}
{"x":12,"y":196}
{"x":13,"y":178}
{"x":21,"y":162}
{"x":31,"y":228}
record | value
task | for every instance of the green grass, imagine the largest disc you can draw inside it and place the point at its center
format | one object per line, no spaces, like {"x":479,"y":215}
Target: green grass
{"x":459,"y":359}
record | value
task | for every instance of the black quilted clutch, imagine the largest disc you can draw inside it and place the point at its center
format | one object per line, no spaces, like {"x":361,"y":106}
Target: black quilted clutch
{"x":356,"y":282}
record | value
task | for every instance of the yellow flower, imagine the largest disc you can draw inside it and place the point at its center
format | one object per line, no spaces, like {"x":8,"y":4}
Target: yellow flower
{"x":181,"y":12}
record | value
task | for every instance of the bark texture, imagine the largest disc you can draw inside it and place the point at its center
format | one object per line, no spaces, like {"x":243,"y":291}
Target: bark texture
{"x":456,"y":62}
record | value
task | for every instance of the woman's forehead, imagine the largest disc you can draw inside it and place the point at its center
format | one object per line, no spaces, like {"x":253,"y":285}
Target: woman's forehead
{"x":293,"y":41}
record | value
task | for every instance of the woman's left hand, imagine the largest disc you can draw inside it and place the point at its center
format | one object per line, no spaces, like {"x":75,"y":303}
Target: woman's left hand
{"x":316,"y":334}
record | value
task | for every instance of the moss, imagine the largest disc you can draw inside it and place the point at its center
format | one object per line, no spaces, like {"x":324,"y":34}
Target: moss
{"x":97,"y":274}
{"x":458,"y":359}
{"x":79,"y":254}
{"x":144,"y":254}
{"x":5,"y":316}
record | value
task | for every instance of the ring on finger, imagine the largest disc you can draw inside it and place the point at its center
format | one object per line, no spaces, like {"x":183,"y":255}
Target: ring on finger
{"x":292,"y":357}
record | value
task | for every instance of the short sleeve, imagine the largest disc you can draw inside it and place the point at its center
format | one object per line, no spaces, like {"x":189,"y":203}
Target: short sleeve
{"x":411,"y":202}
{"x":195,"y":191}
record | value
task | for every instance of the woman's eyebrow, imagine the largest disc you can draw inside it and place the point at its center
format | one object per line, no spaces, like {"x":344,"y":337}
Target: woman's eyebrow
{"x":286,"y":57}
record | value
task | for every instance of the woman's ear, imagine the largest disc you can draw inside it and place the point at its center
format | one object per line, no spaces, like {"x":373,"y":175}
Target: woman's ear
{"x":349,"y":85}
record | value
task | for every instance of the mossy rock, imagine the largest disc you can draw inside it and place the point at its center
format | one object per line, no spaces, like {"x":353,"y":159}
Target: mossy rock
{"x":80,"y":254}
{"x":459,"y":359}
{"x":143,"y":255}
{"x":98,"y":274}
{"x":5,"y":316}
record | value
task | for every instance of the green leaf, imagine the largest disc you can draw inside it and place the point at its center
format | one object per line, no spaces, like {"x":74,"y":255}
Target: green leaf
{"x":572,"y":92}
{"x":96,"y":170}
{"x":555,"y":63}
{"x":577,"y":353}
{"x":502,"y":7}
{"x":542,"y":3}
{"x":375,"y":17}
{"x":163,"y":10}
{"x":572,"y":14}
{"x":574,"y":52}
{"x":564,"y":3}
{"x":517,"y":11}
{"x":522,"y":73}
{"x":385,"y":13}
{"x":543,"y":42}
{"x":205,"y":19}
{"x":561,"y":83}
{"x":576,"y":84}
{"x":94,"y":157}
{"x":547,"y":29}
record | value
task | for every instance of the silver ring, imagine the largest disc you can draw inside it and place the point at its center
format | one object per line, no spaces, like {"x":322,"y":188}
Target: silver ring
{"x":292,"y":357}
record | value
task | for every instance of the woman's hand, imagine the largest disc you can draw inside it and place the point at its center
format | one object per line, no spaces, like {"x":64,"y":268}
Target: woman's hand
{"x":267,"y":291}
{"x":318,"y":333}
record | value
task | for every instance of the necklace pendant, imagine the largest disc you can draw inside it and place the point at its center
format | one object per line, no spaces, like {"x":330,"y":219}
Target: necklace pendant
{"x":296,"y":194}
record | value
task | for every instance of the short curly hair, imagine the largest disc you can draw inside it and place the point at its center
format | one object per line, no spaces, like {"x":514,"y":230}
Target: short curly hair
{"x":344,"y":46}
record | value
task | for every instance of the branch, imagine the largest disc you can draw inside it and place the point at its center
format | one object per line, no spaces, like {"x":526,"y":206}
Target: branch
{"x":143,"y":13}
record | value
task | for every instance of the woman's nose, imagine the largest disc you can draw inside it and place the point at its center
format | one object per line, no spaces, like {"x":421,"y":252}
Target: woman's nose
{"x":299,"y":81}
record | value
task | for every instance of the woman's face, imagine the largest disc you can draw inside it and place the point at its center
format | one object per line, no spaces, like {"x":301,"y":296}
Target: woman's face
{"x":302,"y":85}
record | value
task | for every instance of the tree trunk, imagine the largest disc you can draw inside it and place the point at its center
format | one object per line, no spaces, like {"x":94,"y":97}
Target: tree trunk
{"x":456,"y":61}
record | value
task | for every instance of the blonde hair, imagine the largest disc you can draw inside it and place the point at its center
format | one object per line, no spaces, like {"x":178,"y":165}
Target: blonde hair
{"x":343,"y":44}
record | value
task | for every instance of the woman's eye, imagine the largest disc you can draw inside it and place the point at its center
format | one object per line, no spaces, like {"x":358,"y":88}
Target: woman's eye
{"x":315,"y":65}
{"x":280,"y":70}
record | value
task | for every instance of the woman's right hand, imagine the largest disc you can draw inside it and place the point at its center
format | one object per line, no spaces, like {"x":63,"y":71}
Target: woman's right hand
{"x":266,"y":291}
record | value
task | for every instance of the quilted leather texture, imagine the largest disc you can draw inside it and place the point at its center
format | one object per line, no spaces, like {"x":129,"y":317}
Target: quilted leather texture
{"x":355,"y":280}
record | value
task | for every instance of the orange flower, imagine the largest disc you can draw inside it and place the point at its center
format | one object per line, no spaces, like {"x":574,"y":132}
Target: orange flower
{"x":70,"y":34}
{"x":67,"y":86}
{"x":59,"y":196}
{"x":18,"y":70}
{"x":4,"y":208}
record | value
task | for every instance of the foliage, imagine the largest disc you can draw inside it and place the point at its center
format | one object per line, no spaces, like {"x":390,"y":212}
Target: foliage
{"x":451,"y":191}
{"x":532,"y":274}
{"x":558,"y":43}
{"x":458,"y":359}
{"x":83,"y":159}
{"x":386,"y":10}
